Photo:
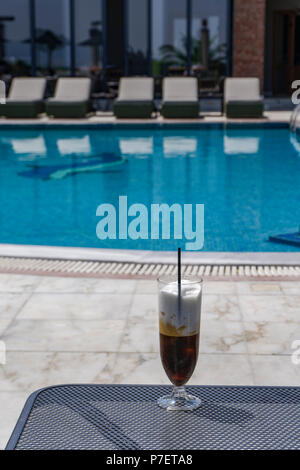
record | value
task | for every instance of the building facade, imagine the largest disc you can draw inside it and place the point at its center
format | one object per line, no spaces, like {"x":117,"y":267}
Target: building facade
{"x":266,"y":42}
{"x":212,"y":39}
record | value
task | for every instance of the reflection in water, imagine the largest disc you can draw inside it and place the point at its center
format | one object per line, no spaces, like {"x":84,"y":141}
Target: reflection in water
{"x":139,"y":147}
{"x":179,"y":146}
{"x":295,"y":142}
{"x":79,"y":146}
{"x":238,"y":145}
{"x":23,"y":146}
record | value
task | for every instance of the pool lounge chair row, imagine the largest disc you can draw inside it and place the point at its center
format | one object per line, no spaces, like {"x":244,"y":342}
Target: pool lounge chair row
{"x":26,"y":98}
{"x":180,"y":98}
{"x":135,"y":99}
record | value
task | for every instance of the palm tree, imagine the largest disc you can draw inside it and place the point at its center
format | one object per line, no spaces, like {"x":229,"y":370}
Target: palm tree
{"x":48,"y":41}
{"x":172,"y":55}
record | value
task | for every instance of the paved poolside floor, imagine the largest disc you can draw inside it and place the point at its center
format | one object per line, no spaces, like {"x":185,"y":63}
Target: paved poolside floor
{"x":79,"y":330}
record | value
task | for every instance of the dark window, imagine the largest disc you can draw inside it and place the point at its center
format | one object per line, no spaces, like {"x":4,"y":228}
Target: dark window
{"x":297,"y":40}
{"x":15,"y":56}
{"x":53,"y":37}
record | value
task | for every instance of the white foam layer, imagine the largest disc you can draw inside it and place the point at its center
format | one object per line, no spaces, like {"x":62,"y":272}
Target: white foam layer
{"x":187,"y":321}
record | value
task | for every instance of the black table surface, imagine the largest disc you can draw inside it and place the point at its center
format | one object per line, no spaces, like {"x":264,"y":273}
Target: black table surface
{"x":113,"y":417}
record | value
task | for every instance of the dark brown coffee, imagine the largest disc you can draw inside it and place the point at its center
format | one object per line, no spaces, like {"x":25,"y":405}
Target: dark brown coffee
{"x":179,"y":356}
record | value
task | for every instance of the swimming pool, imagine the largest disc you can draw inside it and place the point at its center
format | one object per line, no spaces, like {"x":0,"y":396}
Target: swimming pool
{"x":52,"y":181}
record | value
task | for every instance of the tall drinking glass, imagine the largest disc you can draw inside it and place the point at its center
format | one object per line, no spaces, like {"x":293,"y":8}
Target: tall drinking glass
{"x":179,"y":328}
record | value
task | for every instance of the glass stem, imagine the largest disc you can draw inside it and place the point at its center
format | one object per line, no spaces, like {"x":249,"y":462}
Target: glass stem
{"x":179,"y":392}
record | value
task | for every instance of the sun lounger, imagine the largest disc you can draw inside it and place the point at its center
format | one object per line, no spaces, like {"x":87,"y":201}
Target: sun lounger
{"x":180,"y":97}
{"x":135,"y":98}
{"x":242,"y":98}
{"x":71,"y":98}
{"x":25,"y":99}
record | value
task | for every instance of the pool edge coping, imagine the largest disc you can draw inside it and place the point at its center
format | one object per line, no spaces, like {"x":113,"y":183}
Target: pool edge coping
{"x":149,"y":257}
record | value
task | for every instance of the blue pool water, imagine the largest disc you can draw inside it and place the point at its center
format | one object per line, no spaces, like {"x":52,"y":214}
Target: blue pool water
{"x":51,"y":182}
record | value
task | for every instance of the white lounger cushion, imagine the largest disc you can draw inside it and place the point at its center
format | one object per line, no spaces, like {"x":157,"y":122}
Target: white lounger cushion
{"x":242,"y":89}
{"x":180,"y":89}
{"x":27,"y":89}
{"x":136,"y":89}
{"x":72,"y":89}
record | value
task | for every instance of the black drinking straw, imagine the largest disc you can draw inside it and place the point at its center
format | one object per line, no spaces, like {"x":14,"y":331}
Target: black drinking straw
{"x":179,"y":279}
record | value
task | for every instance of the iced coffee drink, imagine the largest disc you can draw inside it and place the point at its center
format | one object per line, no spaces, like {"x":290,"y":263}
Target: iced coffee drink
{"x":179,"y":328}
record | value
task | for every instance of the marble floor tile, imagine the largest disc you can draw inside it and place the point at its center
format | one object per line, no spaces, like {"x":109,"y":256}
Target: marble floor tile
{"x":258,"y":288}
{"x":273,"y":308}
{"x":146,"y":287}
{"x":11,"y":304}
{"x":4,"y":324}
{"x":271,"y":338}
{"x":141,"y":333}
{"x":18,"y":283}
{"x":222,"y":337}
{"x":211,"y":369}
{"x":215,"y":337}
{"x":219,"y":287}
{"x":64,"y":335}
{"x":139,"y":368}
{"x":76,"y":306}
{"x":221,"y":307}
{"x":141,"y":336}
{"x":3,"y":352}
{"x":42,"y":369}
{"x":290,"y":288}
{"x":86,"y":285}
{"x":12,"y":404}
{"x":144,"y":307}
{"x":222,"y":369}
{"x":275,"y":370}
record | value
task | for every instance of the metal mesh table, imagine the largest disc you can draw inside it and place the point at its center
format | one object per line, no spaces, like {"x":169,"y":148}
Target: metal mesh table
{"x":127,"y":417}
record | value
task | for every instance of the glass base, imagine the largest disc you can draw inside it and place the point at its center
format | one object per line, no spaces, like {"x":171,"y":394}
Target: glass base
{"x":179,"y":400}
